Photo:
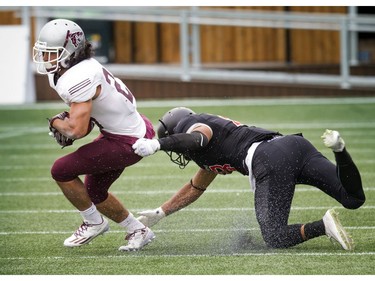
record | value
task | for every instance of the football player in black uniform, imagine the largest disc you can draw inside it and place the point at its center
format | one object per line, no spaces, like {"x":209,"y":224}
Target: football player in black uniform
{"x":275,"y":163}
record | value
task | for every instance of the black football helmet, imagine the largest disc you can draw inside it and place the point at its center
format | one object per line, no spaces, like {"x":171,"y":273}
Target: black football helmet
{"x":170,"y":120}
{"x":167,"y":124}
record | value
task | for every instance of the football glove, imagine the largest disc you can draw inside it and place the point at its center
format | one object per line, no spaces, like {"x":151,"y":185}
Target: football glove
{"x":59,"y":137}
{"x":151,"y":217}
{"x":60,"y":116}
{"x":146,"y":147}
{"x":333,"y":140}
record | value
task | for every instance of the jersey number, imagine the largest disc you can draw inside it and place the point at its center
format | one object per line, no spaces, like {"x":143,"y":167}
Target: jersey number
{"x":111,"y":80}
{"x":222,"y":169}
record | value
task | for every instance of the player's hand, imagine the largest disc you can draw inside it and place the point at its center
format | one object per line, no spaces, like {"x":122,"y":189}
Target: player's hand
{"x":146,"y":147}
{"x":151,"y":217}
{"x":59,"y":137}
{"x":333,"y":140}
{"x":60,"y":116}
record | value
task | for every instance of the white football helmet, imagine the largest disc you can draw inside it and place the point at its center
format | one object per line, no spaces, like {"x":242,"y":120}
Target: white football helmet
{"x":59,"y":41}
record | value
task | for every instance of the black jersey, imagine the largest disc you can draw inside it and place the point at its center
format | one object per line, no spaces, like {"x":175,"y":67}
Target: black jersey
{"x":227,"y":149}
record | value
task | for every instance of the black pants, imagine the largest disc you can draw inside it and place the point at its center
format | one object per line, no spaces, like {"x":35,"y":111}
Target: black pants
{"x":280,"y":164}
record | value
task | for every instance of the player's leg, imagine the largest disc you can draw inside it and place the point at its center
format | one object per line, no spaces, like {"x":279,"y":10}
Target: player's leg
{"x":272,"y":209}
{"x":346,"y":169}
{"x":272,"y":212}
{"x":93,"y":223}
{"x":75,"y":191}
{"x":98,"y":185}
{"x":275,"y":181}
{"x":107,"y":203}
{"x":341,"y":181}
{"x":103,"y":161}
{"x":65,"y":171}
{"x":275,"y":174}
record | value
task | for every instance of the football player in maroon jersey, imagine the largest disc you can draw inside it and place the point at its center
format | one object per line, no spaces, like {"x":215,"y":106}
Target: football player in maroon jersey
{"x":94,"y":96}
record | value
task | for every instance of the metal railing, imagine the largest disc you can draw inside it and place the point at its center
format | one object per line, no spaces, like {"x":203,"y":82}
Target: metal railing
{"x":190,"y":67}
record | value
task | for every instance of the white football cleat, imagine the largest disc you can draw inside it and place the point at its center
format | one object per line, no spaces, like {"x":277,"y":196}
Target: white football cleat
{"x":333,"y":140}
{"x":138,"y":239}
{"x":335,"y":231}
{"x":85,"y":233}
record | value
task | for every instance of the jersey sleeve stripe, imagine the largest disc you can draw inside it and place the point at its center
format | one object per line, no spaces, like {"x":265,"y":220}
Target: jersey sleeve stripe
{"x":79,"y":86}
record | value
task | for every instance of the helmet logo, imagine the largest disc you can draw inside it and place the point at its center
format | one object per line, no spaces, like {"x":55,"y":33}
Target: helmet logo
{"x":75,"y":38}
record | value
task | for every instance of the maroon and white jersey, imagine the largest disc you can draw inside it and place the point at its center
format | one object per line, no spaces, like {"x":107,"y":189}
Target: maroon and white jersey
{"x":114,"y":109}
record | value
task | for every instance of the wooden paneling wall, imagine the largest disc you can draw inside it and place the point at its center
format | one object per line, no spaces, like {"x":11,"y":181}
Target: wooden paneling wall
{"x":169,"y":43}
{"x":149,"y":43}
{"x":242,"y":44}
{"x":123,"y":35}
{"x":315,"y":46}
{"x":9,"y":18}
{"x":159,"y":43}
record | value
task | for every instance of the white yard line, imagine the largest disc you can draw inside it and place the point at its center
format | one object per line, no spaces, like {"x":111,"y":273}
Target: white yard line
{"x":157,"y":192}
{"x":4,"y":233}
{"x":22,"y":132}
{"x":231,"y":209}
{"x":234,"y":254}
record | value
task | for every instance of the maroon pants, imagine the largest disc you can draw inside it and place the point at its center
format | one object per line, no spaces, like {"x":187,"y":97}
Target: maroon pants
{"x":102,"y":161}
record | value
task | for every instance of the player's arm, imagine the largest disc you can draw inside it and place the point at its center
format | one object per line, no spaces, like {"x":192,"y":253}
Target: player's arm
{"x":197,"y":137}
{"x":77,"y":124}
{"x":189,"y":193}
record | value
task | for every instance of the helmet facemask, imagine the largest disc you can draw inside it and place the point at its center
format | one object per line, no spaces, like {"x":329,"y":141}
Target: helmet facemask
{"x":178,"y":158}
{"x":56,"y":57}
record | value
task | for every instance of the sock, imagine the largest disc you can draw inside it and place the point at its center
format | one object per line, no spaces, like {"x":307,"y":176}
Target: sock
{"x":92,"y":215}
{"x":131,"y":223}
{"x":314,"y":229}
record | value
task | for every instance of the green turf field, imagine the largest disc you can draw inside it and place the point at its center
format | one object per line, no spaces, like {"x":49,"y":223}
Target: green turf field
{"x":217,"y":235}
